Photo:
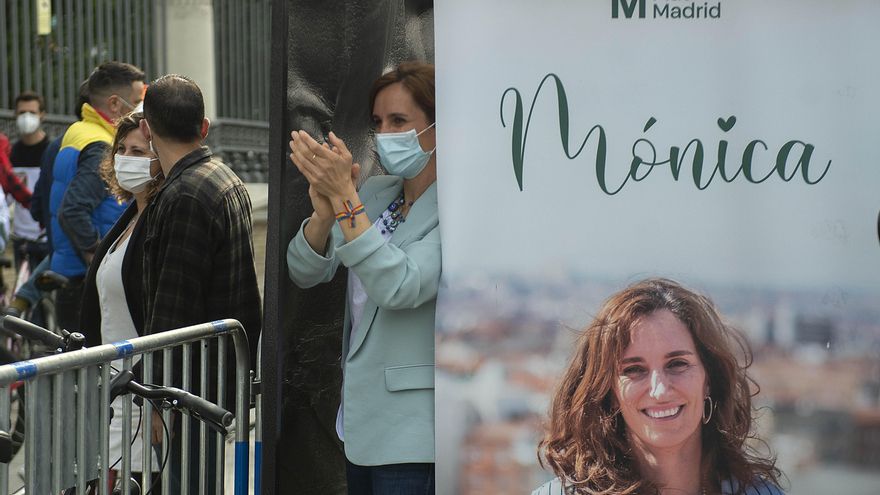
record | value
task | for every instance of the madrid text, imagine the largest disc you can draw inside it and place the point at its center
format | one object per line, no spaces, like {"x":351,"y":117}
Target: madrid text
{"x":675,"y":10}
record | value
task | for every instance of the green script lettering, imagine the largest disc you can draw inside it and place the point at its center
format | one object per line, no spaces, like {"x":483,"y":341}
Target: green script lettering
{"x":520,"y":132}
{"x":640,"y":167}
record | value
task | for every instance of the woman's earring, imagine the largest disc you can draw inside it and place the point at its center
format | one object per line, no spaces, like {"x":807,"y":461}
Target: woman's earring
{"x":707,"y":417}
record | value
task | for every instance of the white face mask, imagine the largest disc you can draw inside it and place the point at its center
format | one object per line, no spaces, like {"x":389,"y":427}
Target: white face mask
{"x":133,"y":172}
{"x":401,"y":154}
{"x":150,"y":141}
{"x":27,"y":122}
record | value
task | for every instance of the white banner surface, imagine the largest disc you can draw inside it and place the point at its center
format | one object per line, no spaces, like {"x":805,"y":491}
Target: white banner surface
{"x":729,"y":145}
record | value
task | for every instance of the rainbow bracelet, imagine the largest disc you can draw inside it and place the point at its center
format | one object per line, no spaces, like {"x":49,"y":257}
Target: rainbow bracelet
{"x":350,"y":212}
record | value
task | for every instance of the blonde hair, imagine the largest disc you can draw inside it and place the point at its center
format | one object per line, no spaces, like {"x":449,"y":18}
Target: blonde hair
{"x":124,"y":126}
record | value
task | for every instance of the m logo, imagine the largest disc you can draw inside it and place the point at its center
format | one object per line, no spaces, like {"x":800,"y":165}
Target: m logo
{"x":629,"y":8}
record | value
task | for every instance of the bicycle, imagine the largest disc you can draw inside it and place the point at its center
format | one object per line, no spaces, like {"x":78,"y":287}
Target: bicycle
{"x":13,"y":348}
{"x":162,"y":398}
{"x":170,"y":398}
{"x":46,"y":282}
{"x":122,"y":383}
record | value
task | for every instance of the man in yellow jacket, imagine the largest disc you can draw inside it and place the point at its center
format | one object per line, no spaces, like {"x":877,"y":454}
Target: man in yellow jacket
{"x":82,"y":210}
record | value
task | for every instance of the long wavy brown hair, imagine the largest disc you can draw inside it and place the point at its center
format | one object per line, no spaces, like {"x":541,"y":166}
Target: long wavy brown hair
{"x":586,"y":443}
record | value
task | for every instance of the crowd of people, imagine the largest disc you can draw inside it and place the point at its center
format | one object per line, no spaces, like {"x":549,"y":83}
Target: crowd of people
{"x":150,"y":231}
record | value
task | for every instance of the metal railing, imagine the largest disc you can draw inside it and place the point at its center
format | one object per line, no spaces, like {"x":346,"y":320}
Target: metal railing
{"x":242,"y":47}
{"x":83,"y":34}
{"x":242,"y":30}
{"x":56,"y":383}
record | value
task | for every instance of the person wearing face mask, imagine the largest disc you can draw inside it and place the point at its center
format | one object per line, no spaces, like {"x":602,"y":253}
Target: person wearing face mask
{"x":28,"y":295}
{"x":112,"y":301}
{"x":387,"y":234}
{"x":82,"y":211}
{"x":28,"y":238}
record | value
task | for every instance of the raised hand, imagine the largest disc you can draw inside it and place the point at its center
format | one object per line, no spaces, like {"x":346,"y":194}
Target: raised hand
{"x":328,"y":170}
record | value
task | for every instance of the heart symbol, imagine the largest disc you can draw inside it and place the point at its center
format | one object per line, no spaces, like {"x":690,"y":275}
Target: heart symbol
{"x":726,"y":125}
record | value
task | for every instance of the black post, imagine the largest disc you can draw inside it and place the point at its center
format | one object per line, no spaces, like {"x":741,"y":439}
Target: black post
{"x":325,"y":56}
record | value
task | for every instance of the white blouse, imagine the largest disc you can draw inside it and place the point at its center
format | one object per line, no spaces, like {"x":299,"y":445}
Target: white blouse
{"x":116,"y":325}
{"x":116,"y":322}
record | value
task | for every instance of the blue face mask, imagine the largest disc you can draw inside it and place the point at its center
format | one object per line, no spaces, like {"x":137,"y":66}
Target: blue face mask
{"x":401,"y":154}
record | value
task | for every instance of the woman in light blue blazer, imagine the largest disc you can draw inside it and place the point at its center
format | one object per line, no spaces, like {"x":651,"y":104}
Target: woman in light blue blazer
{"x":387,"y":234}
{"x":656,"y":402}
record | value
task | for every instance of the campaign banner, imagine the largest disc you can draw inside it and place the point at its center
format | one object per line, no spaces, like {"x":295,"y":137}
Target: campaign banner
{"x":728,"y":145}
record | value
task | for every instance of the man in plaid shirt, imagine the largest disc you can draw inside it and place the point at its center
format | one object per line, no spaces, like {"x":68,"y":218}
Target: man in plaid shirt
{"x":198,"y":248}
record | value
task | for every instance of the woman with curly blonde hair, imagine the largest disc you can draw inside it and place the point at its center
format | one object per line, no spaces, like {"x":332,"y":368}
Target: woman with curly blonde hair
{"x":656,"y":400}
{"x":112,"y":303}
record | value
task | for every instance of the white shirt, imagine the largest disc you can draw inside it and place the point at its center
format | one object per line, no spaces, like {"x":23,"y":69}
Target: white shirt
{"x":116,"y":322}
{"x":23,"y":224}
{"x":116,"y":325}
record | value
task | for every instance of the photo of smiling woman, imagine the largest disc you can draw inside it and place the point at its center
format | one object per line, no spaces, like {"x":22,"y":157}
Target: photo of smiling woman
{"x":656,"y":400}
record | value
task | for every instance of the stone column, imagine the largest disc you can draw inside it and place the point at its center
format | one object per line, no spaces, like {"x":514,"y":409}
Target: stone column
{"x":189,"y":46}
{"x":325,"y":56}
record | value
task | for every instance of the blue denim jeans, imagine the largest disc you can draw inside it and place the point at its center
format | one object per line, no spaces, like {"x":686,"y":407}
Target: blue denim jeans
{"x":32,"y":251}
{"x":390,"y":479}
{"x":28,"y":291}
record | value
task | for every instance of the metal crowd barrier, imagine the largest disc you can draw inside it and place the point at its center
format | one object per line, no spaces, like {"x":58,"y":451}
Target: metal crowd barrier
{"x":67,"y":412}
{"x":258,"y":431}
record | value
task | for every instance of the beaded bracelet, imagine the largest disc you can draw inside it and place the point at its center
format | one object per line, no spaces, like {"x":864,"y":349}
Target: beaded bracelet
{"x":350,"y":212}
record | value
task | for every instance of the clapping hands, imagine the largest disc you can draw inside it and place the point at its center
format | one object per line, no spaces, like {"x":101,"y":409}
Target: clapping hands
{"x":328,"y":168}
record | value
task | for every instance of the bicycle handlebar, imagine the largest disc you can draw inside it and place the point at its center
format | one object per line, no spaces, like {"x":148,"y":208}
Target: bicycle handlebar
{"x":213,"y":415}
{"x":33,"y":332}
{"x":198,"y":407}
{"x":66,"y":342}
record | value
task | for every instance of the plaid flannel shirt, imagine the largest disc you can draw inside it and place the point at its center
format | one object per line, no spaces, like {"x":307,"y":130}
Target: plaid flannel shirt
{"x":198,"y":251}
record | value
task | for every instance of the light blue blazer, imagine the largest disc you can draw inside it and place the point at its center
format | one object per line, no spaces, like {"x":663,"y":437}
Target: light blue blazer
{"x":555,"y":487}
{"x":388,"y":361}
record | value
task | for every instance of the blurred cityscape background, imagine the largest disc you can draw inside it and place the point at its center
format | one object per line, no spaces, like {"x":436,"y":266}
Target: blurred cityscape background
{"x":502,"y":344}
